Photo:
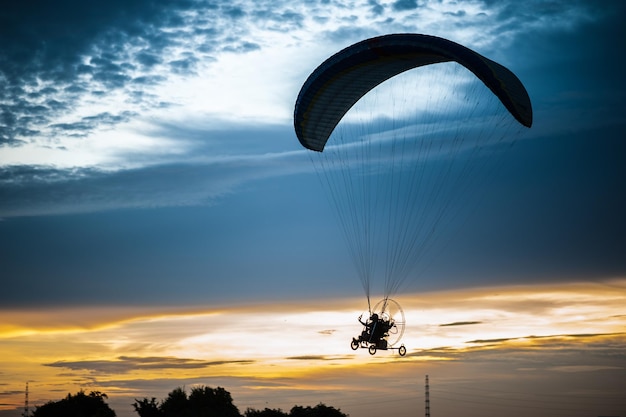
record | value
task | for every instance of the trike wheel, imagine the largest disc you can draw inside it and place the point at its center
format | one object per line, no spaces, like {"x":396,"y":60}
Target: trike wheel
{"x":372,"y":349}
{"x":354,"y":344}
{"x":402,"y":350}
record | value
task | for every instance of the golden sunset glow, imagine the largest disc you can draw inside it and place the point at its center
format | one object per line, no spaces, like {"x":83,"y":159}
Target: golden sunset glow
{"x":283,"y":354}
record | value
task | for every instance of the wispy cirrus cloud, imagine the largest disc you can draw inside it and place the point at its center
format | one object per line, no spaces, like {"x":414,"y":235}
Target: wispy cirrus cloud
{"x":37,"y":190}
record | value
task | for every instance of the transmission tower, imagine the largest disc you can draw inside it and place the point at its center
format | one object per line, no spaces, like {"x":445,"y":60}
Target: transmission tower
{"x":427,"y":398}
{"x":26,"y":412}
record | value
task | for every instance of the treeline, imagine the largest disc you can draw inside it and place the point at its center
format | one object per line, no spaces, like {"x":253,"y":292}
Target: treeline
{"x":200,"y":402}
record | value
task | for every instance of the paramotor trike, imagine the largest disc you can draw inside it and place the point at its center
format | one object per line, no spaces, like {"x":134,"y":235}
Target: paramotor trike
{"x":383,"y":329}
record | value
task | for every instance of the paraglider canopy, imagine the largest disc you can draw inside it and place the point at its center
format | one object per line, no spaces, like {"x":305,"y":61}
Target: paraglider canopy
{"x":340,"y":81}
{"x":404,"y":162}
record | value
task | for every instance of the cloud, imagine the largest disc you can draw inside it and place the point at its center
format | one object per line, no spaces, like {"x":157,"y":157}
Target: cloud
{"x":600,"y":347}
{"x":114,"y":50}
{"x":37,"y":190}
{"x":584,"y":368}
{"x":556,"y":342}
{"x":460,"y":323}
{"x":318,"y":358}
{"x":401,"y":5}
{"x":126,"y":364}
{"x":46,"y":61}
{"x":88,"y":124}
{"x":49,"y":72}
{"x":491,"y":341}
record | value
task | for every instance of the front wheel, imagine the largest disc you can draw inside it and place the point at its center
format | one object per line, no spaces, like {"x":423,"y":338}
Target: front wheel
{"x":372,"y":349}
{"x":402,"y":350}
{"x":354,"y":344}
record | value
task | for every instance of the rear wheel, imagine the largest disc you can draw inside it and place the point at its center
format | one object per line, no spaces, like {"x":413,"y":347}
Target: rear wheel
{"x":372,"y":349}
{"x":354,"y":345}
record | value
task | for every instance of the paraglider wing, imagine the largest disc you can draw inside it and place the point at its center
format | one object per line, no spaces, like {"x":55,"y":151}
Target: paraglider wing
{"x":340,"y":81}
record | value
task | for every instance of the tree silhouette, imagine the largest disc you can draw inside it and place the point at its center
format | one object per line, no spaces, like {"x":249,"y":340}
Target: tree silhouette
{"x":79,"y":405}
{"x":216,"y":402}
{"x":175,"y":405}
{"x":267,"y":412}
{"x":209,"y":402}
{"x":319,"y":410}
{"x":201,"y":402}
{"x":147,"y":408}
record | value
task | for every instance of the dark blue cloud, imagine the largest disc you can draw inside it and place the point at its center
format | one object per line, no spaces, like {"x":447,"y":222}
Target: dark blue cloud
{"x":401,"y":5}
{"x":184,"y":66}
{"x":88,"y":124}
{"x":67,"y":50}
{"x":148,"y":59}
{"x":47,"y":39}
{"x":45,"y":42}
{"x":376,"y":8}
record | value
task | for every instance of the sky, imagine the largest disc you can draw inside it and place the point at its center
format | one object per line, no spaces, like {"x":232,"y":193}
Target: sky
{"x":161,"y":225}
